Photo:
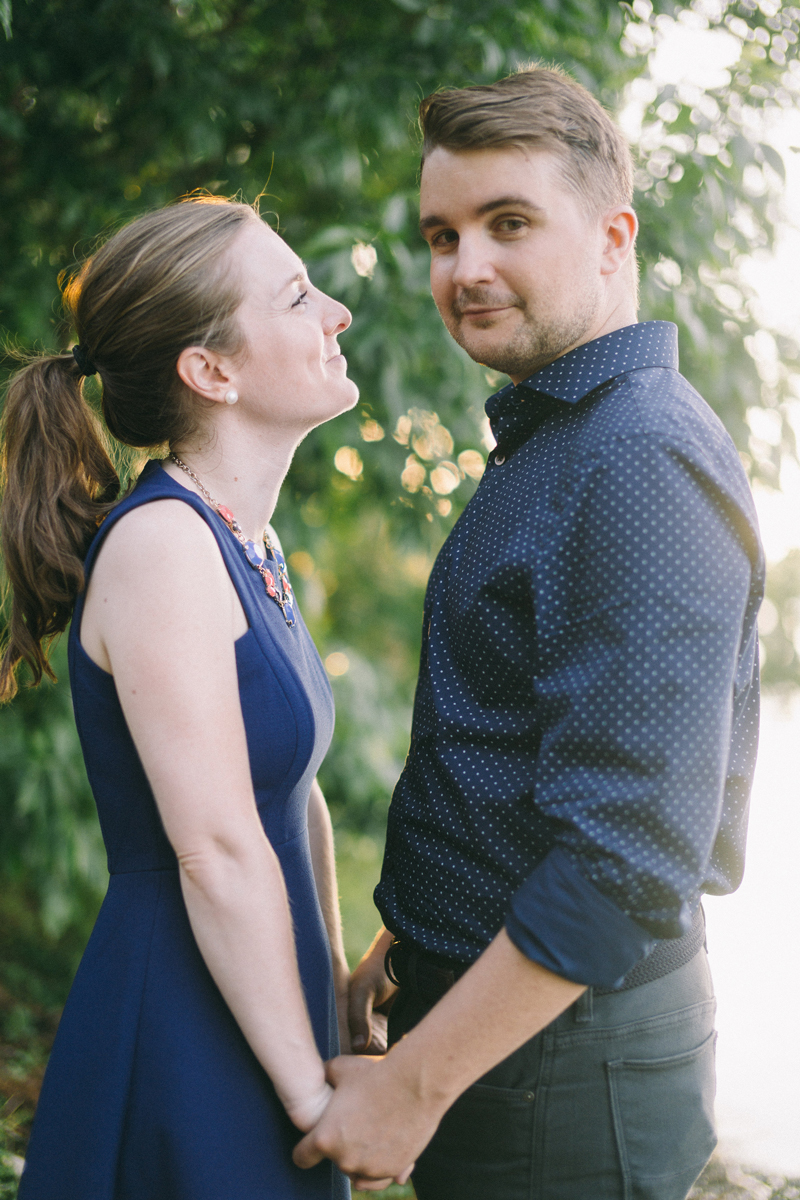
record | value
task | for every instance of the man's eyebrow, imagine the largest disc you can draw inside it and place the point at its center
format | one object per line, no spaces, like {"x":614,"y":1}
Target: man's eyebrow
{"x":434,"y":221}
{"x":431,"y":222}
{"x":508,"y":202}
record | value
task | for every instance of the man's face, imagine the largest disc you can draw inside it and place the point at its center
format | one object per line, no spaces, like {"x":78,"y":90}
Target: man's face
{"x":515,"y":258}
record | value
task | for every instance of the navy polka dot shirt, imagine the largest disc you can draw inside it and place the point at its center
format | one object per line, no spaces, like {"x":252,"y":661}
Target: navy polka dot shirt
{"x":586,"y":716}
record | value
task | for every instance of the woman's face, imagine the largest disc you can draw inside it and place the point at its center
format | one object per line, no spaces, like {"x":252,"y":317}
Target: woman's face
{"x":292,"y":372}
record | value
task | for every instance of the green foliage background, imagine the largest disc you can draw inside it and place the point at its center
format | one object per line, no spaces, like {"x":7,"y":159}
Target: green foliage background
{"x":111,"y":107}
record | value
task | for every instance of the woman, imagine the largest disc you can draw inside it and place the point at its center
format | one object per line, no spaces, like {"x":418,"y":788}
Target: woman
{"x":192,"y":1044}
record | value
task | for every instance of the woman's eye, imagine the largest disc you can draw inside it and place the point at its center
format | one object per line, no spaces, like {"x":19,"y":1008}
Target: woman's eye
{"x":299,"y":299}
{"x":510,"y":224}
{"x":446,"y":238}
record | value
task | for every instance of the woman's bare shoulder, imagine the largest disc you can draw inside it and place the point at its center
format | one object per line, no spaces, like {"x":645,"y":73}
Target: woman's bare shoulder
{"x":158,"y":557}
{"x":149,"y":525}
{"x":162,"y":536}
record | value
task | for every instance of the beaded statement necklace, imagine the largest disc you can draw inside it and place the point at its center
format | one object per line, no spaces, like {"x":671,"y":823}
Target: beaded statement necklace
{"x":280,"y":592}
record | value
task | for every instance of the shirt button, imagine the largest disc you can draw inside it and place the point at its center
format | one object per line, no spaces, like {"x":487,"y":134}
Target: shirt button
{"x":499,"y":459}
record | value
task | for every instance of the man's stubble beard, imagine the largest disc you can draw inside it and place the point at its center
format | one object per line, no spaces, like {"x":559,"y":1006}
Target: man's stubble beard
{"x":535,"y":343}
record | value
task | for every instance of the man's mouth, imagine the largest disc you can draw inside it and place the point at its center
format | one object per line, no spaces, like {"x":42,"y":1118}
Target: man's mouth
{"x":478,"y":309}
{"x":483,"y":312}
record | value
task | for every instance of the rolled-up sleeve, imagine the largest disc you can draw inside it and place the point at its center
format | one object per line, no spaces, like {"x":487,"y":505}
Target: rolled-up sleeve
{"x":640,"y":596}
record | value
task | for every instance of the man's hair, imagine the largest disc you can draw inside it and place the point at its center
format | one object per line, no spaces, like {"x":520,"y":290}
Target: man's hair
{"x":542,"y":107}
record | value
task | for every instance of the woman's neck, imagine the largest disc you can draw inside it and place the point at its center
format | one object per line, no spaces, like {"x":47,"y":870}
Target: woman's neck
{"x":242,"y":470}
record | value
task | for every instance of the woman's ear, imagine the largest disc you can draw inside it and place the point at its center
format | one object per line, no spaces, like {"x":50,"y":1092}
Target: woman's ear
{"x":204,"y":372}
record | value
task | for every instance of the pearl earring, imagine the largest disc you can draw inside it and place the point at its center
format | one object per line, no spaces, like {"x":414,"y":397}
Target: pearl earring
{"x":232,"y":396}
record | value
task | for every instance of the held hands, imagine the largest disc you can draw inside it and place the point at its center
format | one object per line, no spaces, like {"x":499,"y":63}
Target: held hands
{"x":373,"y":1128}
{"x":368,"y":1130}
{"x":306,"y":1111}
{"x":385,"y":1110}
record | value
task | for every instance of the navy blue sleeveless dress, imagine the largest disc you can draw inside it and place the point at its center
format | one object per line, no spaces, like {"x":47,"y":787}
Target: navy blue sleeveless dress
{"x":152,"y":1092}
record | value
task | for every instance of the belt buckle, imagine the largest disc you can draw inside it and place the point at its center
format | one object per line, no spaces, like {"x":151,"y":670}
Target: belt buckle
{"x":411,"y":969}
{"x":394,"y":945}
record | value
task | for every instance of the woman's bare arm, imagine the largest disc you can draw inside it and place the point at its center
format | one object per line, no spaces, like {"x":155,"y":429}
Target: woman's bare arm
{"x":320,"y":832}
{"x":163,"y":609}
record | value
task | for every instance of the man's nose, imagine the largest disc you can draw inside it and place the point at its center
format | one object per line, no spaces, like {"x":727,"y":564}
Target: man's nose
{"x":473,"y":265}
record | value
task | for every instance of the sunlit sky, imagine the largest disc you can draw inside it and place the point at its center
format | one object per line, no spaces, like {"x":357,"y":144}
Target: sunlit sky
{"x":776,"y":279}
{"x":754,"y":936}
{"x":684,"y":53}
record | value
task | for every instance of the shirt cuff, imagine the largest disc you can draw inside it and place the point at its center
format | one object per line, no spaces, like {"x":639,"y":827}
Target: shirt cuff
{"x":561,"y":921}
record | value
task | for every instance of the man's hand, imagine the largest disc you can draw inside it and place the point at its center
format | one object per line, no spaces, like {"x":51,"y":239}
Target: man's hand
{"x":370,"y":990}
{"x":374,"y":1127}
{"x":385,"y":1110}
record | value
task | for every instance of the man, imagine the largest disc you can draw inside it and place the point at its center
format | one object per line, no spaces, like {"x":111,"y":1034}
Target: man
{"x":585,"y":721}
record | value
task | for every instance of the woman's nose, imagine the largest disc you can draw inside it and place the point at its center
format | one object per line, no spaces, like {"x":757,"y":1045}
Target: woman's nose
{"x":337,"y":317}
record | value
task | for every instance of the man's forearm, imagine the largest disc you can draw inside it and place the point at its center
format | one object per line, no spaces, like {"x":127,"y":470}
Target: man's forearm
{"x":385,"y":1111}
{"x":503,"y":1000}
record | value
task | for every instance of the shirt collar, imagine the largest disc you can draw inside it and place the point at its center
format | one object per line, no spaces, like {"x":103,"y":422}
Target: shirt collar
{"x":574,"y":375}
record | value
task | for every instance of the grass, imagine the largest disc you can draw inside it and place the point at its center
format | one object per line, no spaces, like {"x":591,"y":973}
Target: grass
{"x":719,"y":1181}
{"x":358,"y":864}
{"x":392,"y":1193}
{"x":35,"y":970}
{"x":725,"y":1181}
{"x":8,"y":1137}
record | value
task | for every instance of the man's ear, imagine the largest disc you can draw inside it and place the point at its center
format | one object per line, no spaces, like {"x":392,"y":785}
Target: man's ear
{"x":204,"y":372}
{"x":620,"y":226}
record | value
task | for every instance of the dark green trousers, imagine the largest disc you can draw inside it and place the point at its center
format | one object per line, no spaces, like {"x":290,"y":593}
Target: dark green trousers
{"x":613,"y":1101}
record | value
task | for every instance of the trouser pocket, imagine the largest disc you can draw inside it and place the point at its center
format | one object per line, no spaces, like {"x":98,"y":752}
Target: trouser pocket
{"x":482,"y":1148}
{"x":663,"y":1113}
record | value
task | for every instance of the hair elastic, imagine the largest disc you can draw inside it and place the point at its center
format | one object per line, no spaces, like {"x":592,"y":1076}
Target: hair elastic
{"x":85,"y":364}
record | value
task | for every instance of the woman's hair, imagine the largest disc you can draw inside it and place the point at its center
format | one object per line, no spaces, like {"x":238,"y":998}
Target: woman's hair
{"x":160,"y":284}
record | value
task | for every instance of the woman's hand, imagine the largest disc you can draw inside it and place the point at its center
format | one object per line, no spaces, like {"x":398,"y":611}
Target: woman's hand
{"x":359,"y":1131}
{"x":307,"y":1110}
{"x":306,"y":1114}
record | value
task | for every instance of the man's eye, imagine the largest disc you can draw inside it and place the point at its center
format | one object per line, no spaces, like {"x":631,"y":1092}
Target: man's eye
{"x":299,"y":299}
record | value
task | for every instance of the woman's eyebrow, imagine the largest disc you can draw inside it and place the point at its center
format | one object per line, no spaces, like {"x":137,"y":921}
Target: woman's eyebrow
{"x":298,"y":277}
